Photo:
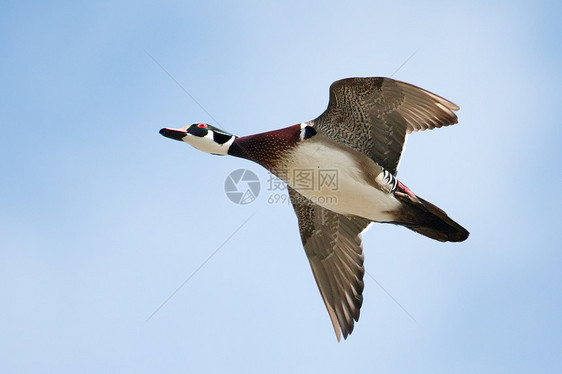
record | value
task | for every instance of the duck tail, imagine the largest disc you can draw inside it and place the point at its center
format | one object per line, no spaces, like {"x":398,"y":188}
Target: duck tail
{"x":425,"y":218}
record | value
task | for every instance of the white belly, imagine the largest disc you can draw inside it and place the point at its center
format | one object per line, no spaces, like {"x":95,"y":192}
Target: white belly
{"x":330,"y":177}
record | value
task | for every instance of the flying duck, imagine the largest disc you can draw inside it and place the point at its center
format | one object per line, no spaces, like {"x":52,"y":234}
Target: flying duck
{"x":350,"y":155}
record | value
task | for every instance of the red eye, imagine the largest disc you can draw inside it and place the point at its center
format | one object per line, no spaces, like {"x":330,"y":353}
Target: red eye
{"x":202,"y":125}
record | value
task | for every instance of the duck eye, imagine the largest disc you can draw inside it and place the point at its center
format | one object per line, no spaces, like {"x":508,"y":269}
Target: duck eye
{"x":202,"y":125}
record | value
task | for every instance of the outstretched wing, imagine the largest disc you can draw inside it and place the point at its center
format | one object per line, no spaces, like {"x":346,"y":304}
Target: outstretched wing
{"x":374,"y":115}
{"x":332,"y":243}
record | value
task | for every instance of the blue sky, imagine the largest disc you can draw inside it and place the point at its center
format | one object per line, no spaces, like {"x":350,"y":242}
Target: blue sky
{"x":102,"y":218}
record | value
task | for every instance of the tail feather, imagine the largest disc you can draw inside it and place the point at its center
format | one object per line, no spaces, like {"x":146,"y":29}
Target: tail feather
{"x":425,"y":218}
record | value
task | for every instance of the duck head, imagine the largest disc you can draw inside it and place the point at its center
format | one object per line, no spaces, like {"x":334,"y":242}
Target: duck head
{"x":202,"y":136}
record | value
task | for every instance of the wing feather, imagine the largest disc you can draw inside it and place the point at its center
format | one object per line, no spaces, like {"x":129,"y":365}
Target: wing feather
{"x":374,"y":116}
{"x":332,"y":243}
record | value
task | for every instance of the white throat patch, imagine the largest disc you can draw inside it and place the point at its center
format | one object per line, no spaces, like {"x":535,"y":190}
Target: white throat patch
{"x":208,"y":144}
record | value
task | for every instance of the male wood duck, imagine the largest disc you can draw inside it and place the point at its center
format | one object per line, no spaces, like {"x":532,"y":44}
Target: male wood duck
{"x":359,"y":139}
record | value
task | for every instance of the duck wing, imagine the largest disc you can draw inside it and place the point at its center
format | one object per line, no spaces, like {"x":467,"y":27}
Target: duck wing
{"x":332,"y":243}
{"x":374,"y":115}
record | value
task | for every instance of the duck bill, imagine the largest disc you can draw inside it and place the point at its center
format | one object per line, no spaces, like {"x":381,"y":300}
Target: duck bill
{"x":173,"y":133}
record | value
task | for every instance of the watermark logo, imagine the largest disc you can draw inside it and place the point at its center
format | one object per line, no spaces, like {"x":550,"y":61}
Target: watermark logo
{"x":306,"y":181}
{"x":242,"y":186}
